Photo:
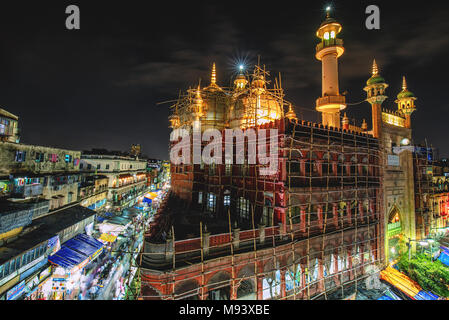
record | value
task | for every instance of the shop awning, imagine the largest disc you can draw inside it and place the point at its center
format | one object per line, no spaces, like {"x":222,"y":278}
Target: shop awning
{"x":151,"y":195}
{"x":107,"y":237}
{"x":444,"y":257}
{"x":426,"y":295}
{"x":76,"y":251}
{"x":406,"y":285}
{"x":400,"y":281}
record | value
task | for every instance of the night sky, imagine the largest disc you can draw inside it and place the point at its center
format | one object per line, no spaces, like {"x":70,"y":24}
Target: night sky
{"x":98,"y":87}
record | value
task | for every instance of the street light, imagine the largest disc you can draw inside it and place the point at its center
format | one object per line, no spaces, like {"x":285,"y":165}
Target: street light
{"x":409,"y":245}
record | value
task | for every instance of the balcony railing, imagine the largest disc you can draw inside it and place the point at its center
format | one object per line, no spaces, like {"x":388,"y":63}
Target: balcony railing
{"x":29,"y":190}
{"x":329,"y":43}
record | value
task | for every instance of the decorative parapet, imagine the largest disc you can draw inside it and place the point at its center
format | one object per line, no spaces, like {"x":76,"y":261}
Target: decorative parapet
{"x":393,"y":117}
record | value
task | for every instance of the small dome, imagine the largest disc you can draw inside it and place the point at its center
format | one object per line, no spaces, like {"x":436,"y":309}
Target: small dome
{"x":375,"y":79}
{"x":405,"y":94}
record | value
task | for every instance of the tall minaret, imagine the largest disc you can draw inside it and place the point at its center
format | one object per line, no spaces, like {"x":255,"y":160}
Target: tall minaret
{"x":328,"y":51}
{"x":406,"y":103}
{"x":375,"y":92}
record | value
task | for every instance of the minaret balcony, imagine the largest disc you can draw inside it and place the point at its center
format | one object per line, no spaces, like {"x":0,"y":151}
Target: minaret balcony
{"x":329,"y":43}
{"x":331,"y":103}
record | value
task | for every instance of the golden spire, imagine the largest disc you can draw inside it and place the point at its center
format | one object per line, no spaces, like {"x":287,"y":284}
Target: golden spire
{"x":213,"y":79}
{"x":198,"y":93}
{"x":364,"y":125}
{"x":198,"y":103}
{"x":404,"y":83}
{"x":375,"y":68}
{"x":290,"y":114}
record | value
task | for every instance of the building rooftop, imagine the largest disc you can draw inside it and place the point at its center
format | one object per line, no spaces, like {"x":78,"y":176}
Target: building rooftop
{"x":43,"y":229}
{"x":7,"y":114}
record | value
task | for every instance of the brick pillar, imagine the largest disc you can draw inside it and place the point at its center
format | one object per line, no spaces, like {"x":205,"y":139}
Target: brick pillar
{"x":362,"y":258}
{"x":320,"y":275}
{"x":320,"y":216}
{"x":302,"y":167}
{"x":259,"y":288}
{"x":261,"y":234}
{"x":360,"y":213}
{"x":334,"y":168}
{"x":319,"y":167}
{"x":283,"y":286}
{"x":348,"y":213}
{"x":303,"y":219}
{"x":349,"y":257}
{"x":337,"y":275}
{"x":372,"y":208}
{"x":335,"y":214}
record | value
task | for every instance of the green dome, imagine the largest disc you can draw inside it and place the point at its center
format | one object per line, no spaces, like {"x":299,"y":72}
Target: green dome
{"x":405,"y":94}
{"x":375,"y":79}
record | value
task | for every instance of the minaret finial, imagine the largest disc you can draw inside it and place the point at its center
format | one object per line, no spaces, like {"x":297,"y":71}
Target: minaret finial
{"x":404,"y":83}
{"x":213,"y":79}
{"x":328,"y":10}
{"x":375,"y":68}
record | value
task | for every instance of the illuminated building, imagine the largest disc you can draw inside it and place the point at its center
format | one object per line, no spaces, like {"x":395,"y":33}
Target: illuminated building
{"x":311,"y":230}
{"x":127,"y":175}
{"x":9,"y":127}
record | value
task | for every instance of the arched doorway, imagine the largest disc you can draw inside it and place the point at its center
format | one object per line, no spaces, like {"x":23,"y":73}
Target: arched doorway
{"x":219,"y":286}
{"x":149,"y":293}
{"x":394,"y":230}
{"x":187,"y":290}
{"x":247,"y":284}
{"x":246,"y":290}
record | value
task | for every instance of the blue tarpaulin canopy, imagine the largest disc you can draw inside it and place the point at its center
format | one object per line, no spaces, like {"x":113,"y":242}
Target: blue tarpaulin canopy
{"x":385,"y":297}
{"x":425,"y":295}
{"x":389,"y":295}
{"x":75,"y":251}
{"x":444,"y":257}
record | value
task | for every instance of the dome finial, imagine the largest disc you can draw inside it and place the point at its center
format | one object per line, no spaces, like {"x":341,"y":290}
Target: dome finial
{"x":213,"y":79}
{"x":404,"y":83}
{"x":375,"y":68}
{"x":328,"y":10}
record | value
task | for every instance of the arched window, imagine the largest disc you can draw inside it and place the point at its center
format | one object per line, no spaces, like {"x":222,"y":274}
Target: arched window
{"x":332,"y":34}
{"x":272,"y":285}
{"x":326,"y":35}
{"x":246,"y":290}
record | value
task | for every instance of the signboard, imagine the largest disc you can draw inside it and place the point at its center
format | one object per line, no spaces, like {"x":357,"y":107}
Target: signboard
{"x":393,"y":160}
{"x":53,"y":245}
{"x":89,"y":228}
{"x":32,"y":283}
{"x":45,"y":273}
{"x":16,"y":291}
{"x":398,"y":150}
